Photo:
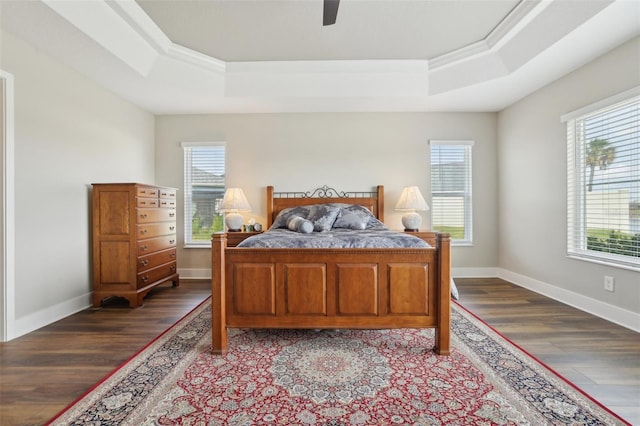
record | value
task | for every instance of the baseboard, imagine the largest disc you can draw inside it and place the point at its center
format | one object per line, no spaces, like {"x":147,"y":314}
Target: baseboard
{"x":623,"y":317}
{"x":50,"y":315}
{"x":474,"y":272}
{"x":194,"y":274}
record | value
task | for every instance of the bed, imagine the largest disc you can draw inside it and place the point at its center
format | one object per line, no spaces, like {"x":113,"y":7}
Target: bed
{"x":325,"y":286}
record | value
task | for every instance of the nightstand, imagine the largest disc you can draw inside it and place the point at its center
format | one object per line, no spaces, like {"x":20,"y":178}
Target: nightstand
{"x":428,"y":236}
{"x":235,"y":238}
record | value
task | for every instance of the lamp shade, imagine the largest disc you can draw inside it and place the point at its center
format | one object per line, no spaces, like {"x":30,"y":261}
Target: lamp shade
{"x":411,"y":200}
{"x":233,"y":202}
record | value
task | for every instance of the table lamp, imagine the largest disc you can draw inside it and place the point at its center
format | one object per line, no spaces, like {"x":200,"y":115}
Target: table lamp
{"x":234,"y":202}
{"x":411,"y":201}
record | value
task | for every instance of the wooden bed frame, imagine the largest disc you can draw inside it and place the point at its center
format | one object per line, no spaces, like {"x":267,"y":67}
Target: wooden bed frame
{"x":366,"y":288}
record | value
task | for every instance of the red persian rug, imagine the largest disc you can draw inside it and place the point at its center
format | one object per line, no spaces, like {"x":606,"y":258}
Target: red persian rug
{"x":328,"y":377}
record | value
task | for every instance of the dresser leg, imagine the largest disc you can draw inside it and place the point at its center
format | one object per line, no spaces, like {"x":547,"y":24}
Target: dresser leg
{"x":135,"y":301}
{"x":97,"y":300}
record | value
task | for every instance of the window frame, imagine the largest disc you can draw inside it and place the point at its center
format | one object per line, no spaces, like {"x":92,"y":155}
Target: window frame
{"x":576,"y":181}
{"x":188,"y":190}
{"x":467,"y":193}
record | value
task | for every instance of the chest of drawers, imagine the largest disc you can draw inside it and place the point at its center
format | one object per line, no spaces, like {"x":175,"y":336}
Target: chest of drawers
{"x":134,"y":240}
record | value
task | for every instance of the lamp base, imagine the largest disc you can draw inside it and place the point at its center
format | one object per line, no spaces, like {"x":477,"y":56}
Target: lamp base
{"x":410,"y":230}
{"x":233,"y":222}
{"x":411,"y":221}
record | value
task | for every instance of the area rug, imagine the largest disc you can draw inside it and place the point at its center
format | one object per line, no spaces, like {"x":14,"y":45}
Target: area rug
{"x":334,"y":377}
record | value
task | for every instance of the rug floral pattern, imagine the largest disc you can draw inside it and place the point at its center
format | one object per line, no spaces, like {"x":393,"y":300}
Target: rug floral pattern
{"x":335,"y":377}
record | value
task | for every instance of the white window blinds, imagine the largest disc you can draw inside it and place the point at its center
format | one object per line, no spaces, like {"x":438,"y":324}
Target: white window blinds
{"x":204,"y":186}
{"x":603,"y":178}
{"x":451,"y":195}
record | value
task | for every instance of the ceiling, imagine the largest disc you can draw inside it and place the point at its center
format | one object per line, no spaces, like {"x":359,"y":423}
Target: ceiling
{"x":293,"y":31}
{"x":217,"y":56}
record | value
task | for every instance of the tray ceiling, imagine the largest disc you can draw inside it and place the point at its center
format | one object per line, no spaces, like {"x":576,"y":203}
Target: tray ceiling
{"x":206,"y":56}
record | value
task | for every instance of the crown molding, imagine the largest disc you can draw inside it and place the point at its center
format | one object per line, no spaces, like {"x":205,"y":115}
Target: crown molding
{"x":123,"y":28}
{"x":522,"y":14}
{"x":106,"y":26}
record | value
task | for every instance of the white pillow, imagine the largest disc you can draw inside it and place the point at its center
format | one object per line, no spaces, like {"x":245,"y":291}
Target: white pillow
{"x":299,"y":224}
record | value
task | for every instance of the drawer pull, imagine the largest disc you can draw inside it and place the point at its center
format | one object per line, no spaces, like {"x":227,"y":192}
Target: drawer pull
{"x":144,"y":262}
{"x":172,"y":255}
{"x":172,"y":241}
{"x":143,"y":216}
{"x":144,"y":248}
{"x":172,"y":214}
{"x":171,"y":228}
{"x":173,"y":268}
{"x":143,"y":231}
{"x":145,"y":279}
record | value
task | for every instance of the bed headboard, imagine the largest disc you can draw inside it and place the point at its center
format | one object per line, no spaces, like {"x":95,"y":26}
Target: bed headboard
{"x":277,"y":201}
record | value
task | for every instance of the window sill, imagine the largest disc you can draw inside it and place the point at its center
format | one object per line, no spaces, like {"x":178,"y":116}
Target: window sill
{"x":603,"y":262}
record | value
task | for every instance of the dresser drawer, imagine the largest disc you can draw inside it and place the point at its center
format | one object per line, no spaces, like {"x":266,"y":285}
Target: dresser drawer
{"x":155,"y":215}
{"x":167,"y":202}
{"x":147,"y":192}
{"x":168,"y":193}
{"x":147,"y":202}
{"x":156,"y":259}
{"x":153,"y":245}
{"x":149,"y":230}
{"x":152,"y":275}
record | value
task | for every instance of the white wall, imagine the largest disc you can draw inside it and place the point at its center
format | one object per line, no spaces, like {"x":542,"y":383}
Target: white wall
{"x":532,"y":157}
{"x":69,"y":133}
{"x":347,"y":151}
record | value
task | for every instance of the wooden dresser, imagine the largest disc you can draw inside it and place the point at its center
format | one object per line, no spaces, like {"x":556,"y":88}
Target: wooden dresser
{"x":134,"y":240}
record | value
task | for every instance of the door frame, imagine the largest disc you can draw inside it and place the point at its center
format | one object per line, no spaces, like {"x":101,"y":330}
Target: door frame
{"x":7,"y":198}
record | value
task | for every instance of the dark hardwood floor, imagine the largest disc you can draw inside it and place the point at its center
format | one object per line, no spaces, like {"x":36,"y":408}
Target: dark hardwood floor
{"x":599,"y":357}
{"x":44,"y":371}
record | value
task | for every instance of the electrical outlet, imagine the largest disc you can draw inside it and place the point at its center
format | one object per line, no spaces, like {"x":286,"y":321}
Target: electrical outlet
{"x":609,"y":283}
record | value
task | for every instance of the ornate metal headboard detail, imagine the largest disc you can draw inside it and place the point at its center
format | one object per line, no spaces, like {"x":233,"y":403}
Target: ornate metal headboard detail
{"x":326,"y":192}
{"x":277,"y":201}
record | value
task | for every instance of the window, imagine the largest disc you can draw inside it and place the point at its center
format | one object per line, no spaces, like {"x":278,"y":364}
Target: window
{"x":603,"y":177}
{"x":204,"y":186}
{"x":451,"y":189}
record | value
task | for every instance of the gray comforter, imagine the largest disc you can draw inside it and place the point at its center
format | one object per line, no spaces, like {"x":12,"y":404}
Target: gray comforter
{"x":378,"y":237}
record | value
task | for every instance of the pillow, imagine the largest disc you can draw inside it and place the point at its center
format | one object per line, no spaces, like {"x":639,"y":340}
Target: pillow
{"x":300,"y":224}
{"x":355,"y":217}
{"x":283,"y":217}
{"x":321,"y":216}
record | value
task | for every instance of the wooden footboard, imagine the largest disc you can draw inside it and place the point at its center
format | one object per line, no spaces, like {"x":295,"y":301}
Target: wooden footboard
{"x":331,"y":288}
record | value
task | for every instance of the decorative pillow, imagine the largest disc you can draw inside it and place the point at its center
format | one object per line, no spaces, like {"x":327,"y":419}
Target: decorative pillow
{"x":285,"y":214}
{"x":300,"y":224}
{"x":321,"y":216}
{"x":355,"y":217}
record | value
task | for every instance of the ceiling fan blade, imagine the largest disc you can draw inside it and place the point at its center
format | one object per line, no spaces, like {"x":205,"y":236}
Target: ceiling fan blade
{"x":330,"y":12}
